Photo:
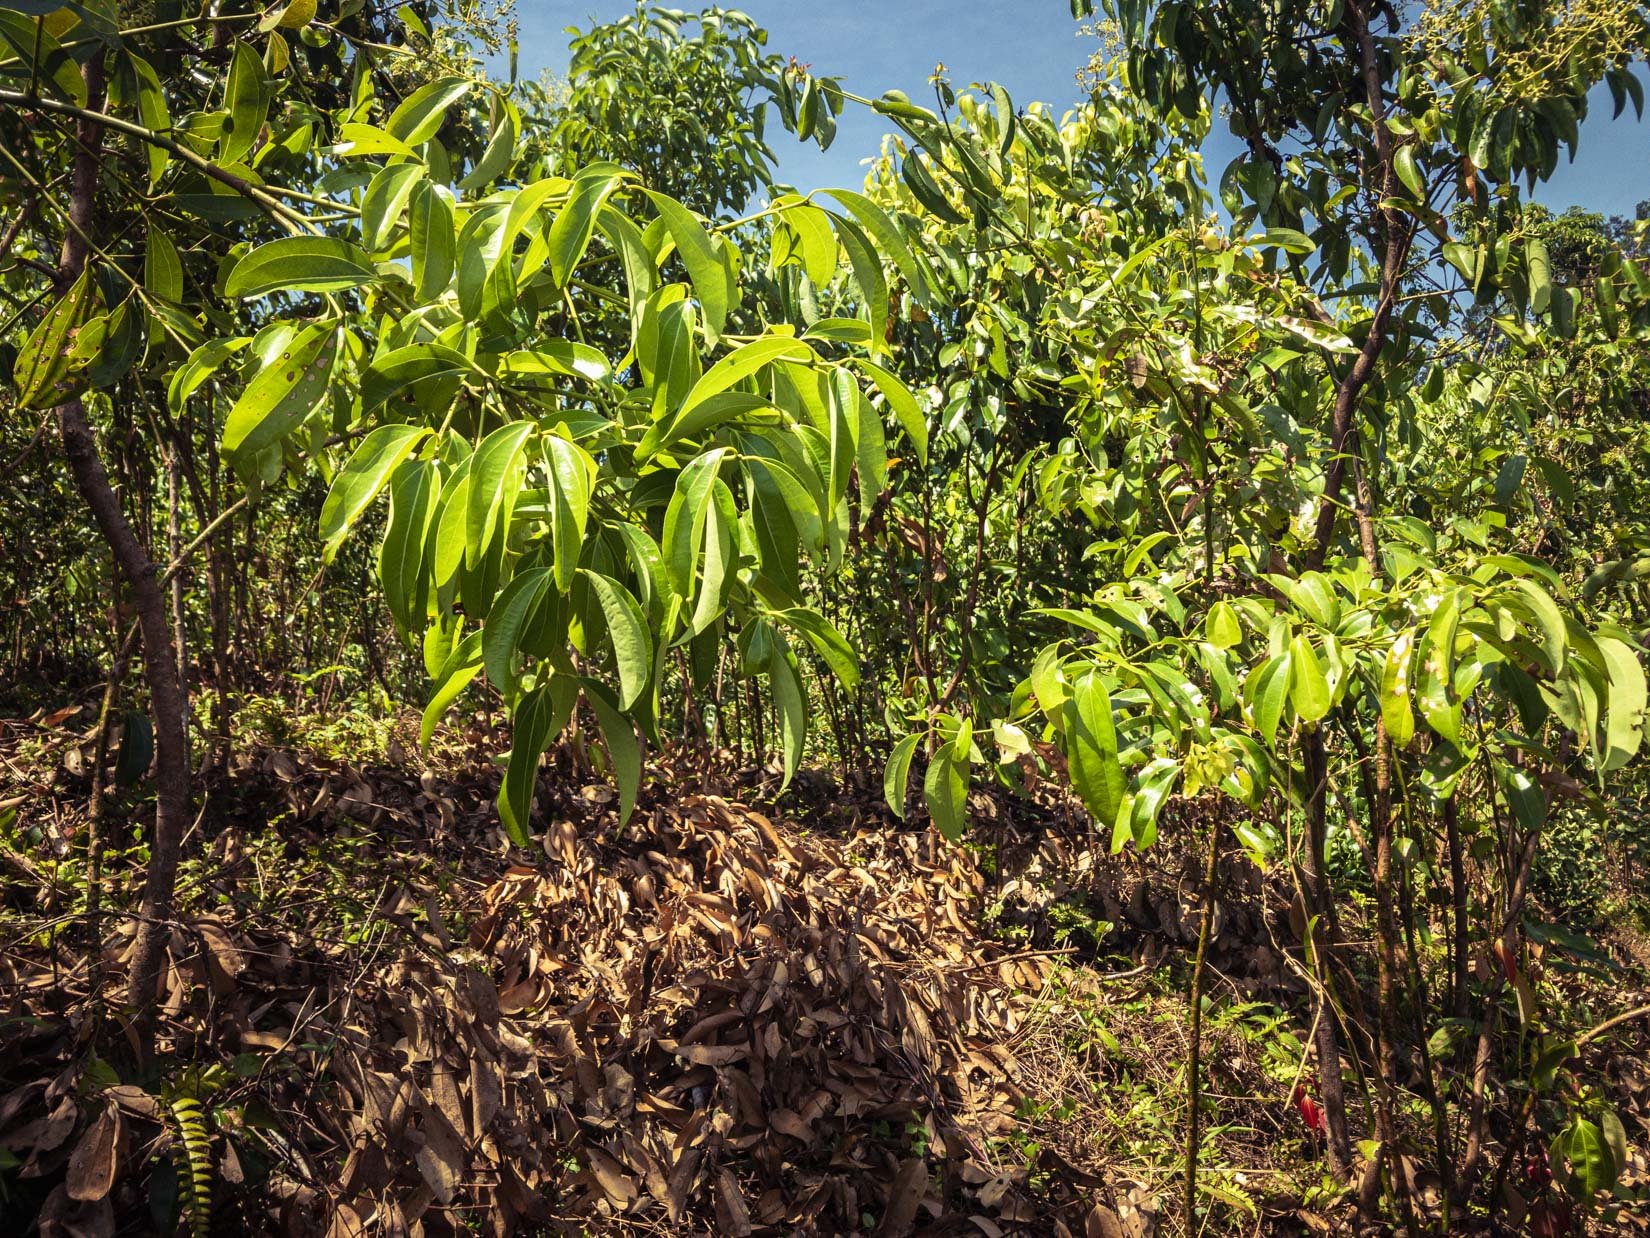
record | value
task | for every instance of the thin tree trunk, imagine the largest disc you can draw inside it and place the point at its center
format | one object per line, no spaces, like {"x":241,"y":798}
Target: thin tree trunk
{"x":174,"y":551}
{"x":1337,"y":1141}
{"x":160,"y":665}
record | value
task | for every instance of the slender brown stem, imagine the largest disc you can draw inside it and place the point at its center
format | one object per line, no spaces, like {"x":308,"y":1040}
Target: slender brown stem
{"x":1194,"y":1063}
{"x":160,"y":664}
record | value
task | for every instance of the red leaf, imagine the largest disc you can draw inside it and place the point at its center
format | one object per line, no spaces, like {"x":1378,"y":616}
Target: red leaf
{"x":1311,"y":1112}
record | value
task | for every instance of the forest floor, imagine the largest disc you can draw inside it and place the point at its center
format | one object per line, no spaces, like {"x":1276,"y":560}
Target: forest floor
{"x":731,"y":1015}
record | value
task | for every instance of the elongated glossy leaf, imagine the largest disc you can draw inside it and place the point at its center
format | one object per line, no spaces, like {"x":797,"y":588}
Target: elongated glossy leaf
{"x":699,"y":255}
{"x":819,"y":246}
{"x":162,"y":268}
{"x":886,"y":235}
{"x":283,"y":393}
{"x":1549,"y":620}
{"x":495,"y":476}
{"x":622,"y":747}
{"x":945,"y":785}
{"x":575,"y":223}
{"x":1395,"y":707}
{"x":414,"y":491}
{"x":421,"y":113}
{"x":572,"y":477}
{"x":684,"y":532}
{"x":247,"y":99}
{"x":741,"y":363}
{"x":45,"y":373}
{"x":500,"y":153}
{"x":827,"y":642}
{"x":1091,"y":749}
{"x":873,"y":285}
{"x":539,"y":717}
{"x":55,"y":69}
{"x":391,"y":373}
{"x":386,"y":198}
{"x":1624,"y":730}
{"x":567,"y":358}
{"x":791,"y":704}
{"x":430,"y":225}
{"x":299,"y":264}
{"x":721,"y":559}
{"x":362,"y":477}
{"x":462,"y":665}
{"x":501,"y":638}
{"x":904,"y":406}
{"x":152,"y":112}
{"x":1271,"y":692}
{"x":1308,"y":686}
{"x":896,"y":777}
{"x":627,"y":629}
{"x":202,"y":364}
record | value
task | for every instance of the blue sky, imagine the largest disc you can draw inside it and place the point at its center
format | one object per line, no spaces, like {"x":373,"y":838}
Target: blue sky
{"x":1034,"y":49}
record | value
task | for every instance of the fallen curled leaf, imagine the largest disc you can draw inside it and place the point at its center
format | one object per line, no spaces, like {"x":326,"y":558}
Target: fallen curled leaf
{"x":96,"y":1157}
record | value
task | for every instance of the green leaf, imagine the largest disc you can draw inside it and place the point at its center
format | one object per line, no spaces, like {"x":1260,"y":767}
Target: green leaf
{"x":283,"y":393}
{"x":1271,"y":691}
{"x":495,"y":161}
{"x":1409,"y":172}
{"x":202,"y":364}
{"x":819,"y":247}
{"x":719,"y":568}
{"x":1308,"y":686}
{"x":791,"y":704}
{"x":44,"y":373}
{"x":627,"y":629}
{"x":246,"y":96}
{"x":162,"y":268}
{"x":152,"y":113}
{"x":55,"y":67}
{"x":362,"y":477}
{"x":827,"y":642}
{"x":461,"y":666}
{"x":299,"y":264}
{"x":882,"y":230}
{"x":1221,"y":627}
{"x":1540,"y":269}
{"x":137,"y":748}
{"x":540,"y":716}
{"x":572,"y":478}
{"x":385,"y":199}
{"x":421,"y":113}
{"x":868,"y":275}
{"x":945,"y":785}
{"x":495,"y":477}
{"x":501,"y":638}
{"x":1146,"y":804}
{"x":566,"y":358}
{"x":575,"y":223}
{"x":414,"y":491}
{"x":1592,"y":1163}
{"x":904,"y":405}
{"x":704,"y":265}
{"x":430,"y":228}
{"x":1547,"y":617}
{"x":1624,"y":730}
{"x":390,"y":373}
{"x":684,"y":531}
{"x":622,"y":747}
{"x":1091,"y":749}
{"x":898,"y":773}
{"x":1395,"y":706}
{"x":741,"y":363}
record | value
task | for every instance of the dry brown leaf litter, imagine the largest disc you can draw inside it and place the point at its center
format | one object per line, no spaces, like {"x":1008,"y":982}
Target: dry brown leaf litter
{"x":709,"y":1021}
